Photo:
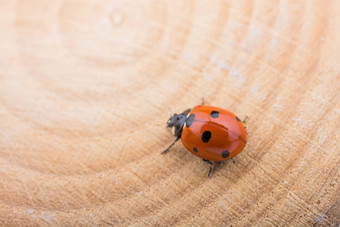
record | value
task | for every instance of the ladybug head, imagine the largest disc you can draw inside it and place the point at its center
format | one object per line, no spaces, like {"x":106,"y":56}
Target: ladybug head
{"x":176,"y":122}
{"x":171,"y":120}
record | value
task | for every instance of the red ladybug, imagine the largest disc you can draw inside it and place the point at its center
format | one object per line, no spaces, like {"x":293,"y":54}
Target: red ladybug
{"x":209,"y":132}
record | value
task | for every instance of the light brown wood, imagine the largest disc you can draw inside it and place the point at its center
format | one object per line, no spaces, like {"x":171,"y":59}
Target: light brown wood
{"x":86,"y":88}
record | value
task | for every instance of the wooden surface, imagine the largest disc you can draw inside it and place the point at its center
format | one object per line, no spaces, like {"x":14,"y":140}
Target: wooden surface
{"x":86,"y":88}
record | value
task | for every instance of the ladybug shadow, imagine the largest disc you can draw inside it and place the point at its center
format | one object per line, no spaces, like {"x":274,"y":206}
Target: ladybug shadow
{"x":179,"y":153}
{"x":216,"y":166}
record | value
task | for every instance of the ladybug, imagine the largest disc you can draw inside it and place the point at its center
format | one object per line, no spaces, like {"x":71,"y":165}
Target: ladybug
{"x":211,"y":133}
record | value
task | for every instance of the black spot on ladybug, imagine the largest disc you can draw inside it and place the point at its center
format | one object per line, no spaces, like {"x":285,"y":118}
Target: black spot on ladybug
{"x":214,"y":114}
{"x":195,"y":149}
{"x":190,"y":120}
{"x":225,"y":154}
{"x":238,"y":119}
{"x":206,"y":136}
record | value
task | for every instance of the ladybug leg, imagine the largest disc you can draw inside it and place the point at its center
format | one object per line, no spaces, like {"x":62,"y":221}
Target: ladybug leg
{"x":173,"y":143}
{"x":218,"y":164}
{"x":245,"y":120}
{"x":202,"y":102}
{"x":211,"y":166}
